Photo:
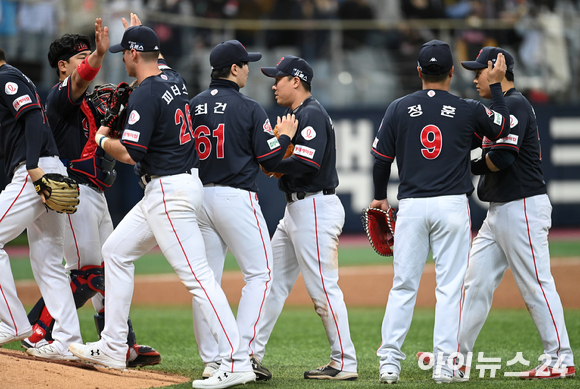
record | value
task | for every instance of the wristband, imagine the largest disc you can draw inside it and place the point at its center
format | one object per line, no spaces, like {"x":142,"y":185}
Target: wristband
{"x":479,"y":167}
{"x":87,"y":72}
{"x":101,"y":139}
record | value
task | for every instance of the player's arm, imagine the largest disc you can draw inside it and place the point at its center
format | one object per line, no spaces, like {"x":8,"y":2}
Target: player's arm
{"x":87,"y":70}
{"x":493,"y":161}
{"x":113,"y":147}
{"x":381,"y":174}
{"x":32,"y":120}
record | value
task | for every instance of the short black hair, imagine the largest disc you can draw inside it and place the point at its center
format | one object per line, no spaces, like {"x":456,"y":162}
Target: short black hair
{"x":2,"y":55}
{"x":509,"y":76}
{"x":65,"y":45}
{"x":305,"y":85}
{"x":435,"y":78}
{"x":216,"y":74}
{"x":150,"y":56}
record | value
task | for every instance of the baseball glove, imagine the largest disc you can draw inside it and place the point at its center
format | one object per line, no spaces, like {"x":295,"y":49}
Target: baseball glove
{"x":100,"y":96}
{"x":63,"y":192}
{"x":287,"y":154}
{"x":380,"y":229}
{"x":116,"y":109}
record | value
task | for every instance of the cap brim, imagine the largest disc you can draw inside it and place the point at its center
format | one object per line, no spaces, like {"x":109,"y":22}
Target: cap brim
{"x":116,"y":48}
{"x":253,"y":57}
{"x":273,"y":72}
{"x":473,"y":65}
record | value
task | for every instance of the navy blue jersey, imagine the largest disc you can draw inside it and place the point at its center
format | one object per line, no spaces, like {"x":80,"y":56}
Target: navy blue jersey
{"x":430,"y":133}
{"x":17,"y":97}
{"x":233,"y":135}
{"x":71,"y":123}
{"x":524,"y":177}
{"x":314,"y":145}
{"x":157,"y":131}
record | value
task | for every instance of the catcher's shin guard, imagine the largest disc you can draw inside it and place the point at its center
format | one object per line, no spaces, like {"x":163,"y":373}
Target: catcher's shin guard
{"x":137,"y":355}
{"x":86,"y":282}
{"x":41,"y":321}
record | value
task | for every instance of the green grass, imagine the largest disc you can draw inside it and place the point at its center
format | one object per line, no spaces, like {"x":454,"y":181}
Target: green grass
{"x":155,"y":263}
{"x":298,"y":343}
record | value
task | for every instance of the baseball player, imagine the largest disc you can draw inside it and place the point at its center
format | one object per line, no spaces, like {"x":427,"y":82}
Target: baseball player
{"x":74,"y":119}
{"x":233,"y":136}
{"x":29,"y":151}
{"x":306,"y":238}
{"x":157,"y":139}
{"x":430,"y":133}
{"x":515,"y":232}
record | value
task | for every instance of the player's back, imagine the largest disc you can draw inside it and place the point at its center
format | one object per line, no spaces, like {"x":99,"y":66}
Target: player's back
{"x":227,"y":125}
{"x":524,"y":177}
{"x":158,"y":125}
{"x":433,"y":130}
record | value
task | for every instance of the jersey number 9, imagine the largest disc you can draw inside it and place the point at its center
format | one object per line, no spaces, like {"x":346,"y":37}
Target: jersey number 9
{"x":431,"y":140}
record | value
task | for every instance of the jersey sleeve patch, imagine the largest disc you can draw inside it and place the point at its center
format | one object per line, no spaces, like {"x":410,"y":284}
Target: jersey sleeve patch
{"x":308,"y":133}
{"x":513,"y":121}
{"x":304,"y":151}
{"x":510,"y":139}
{"x":375,"y":142}
{"x":131,"y":135}
{"x":11,"y":88}
{"x":273,"y":143}
{"x":134,"y":117}
{"x":21,"y":102}
{"x":268,"y":127}
{"x":497,"y":118}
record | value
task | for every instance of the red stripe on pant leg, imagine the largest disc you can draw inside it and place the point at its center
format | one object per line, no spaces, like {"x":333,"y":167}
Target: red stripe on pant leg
{"x":269,"y":272}
{"x":538,"y":278}
{"x":192,"y":272}
{"x":463,"y":283}
{"x":76,"y":242}
{"x":1,"y":219}
{"x":324,"y":288}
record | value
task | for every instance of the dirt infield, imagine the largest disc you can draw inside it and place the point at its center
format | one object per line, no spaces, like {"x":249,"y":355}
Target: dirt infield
{"x":38,"y":373}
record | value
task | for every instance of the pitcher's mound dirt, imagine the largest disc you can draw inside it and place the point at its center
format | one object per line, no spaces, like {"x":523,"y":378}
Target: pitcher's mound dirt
{"x":21,"y":371}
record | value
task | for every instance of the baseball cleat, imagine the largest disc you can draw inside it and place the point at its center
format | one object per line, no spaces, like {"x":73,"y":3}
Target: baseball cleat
{"x":262,"y":374}
{"x":389,"y":377}
{"x":442,"y":378}
{"x":49,"y":351}
{"x":91,"y":352}
{"x":546,"y":372}
{"x":424,"y":357}
{"x":225,"y":379}
{"x":7,"y":337}
{"x":27,"y":343}
{"x":139,"y":356}
{"x":330,"y":373}
{"x":461,"y":374}
{"x":210,"y":369}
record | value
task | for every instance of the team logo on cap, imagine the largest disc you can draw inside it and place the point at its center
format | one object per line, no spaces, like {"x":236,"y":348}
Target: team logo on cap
{"x":136,"y":46}
{"x":11,"y":88}
{"x":298,"y":73}
{"x":433,"y":59}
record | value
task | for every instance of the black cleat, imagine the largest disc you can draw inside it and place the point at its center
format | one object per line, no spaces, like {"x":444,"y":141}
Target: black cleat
{"x":262,"y":374}
{"x":330,"y":373}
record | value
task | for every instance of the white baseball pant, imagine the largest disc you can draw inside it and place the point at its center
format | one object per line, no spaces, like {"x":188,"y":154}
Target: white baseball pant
{"x":232,"y":218}
{"x":515,"y":235}
{"x":86,"y":231}
{"x":21,"y":208}
{"x":306,"y":240}
{"x":167,"y":216}
{"x":441,"y":225}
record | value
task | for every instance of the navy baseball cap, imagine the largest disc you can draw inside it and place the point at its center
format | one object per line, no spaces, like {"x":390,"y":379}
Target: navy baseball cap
{"x":435,"y":53}
{"x":489,"y":53}
{"x":290,"y":65}
{"x":230,"y":52}
{"x":140,"y":38}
